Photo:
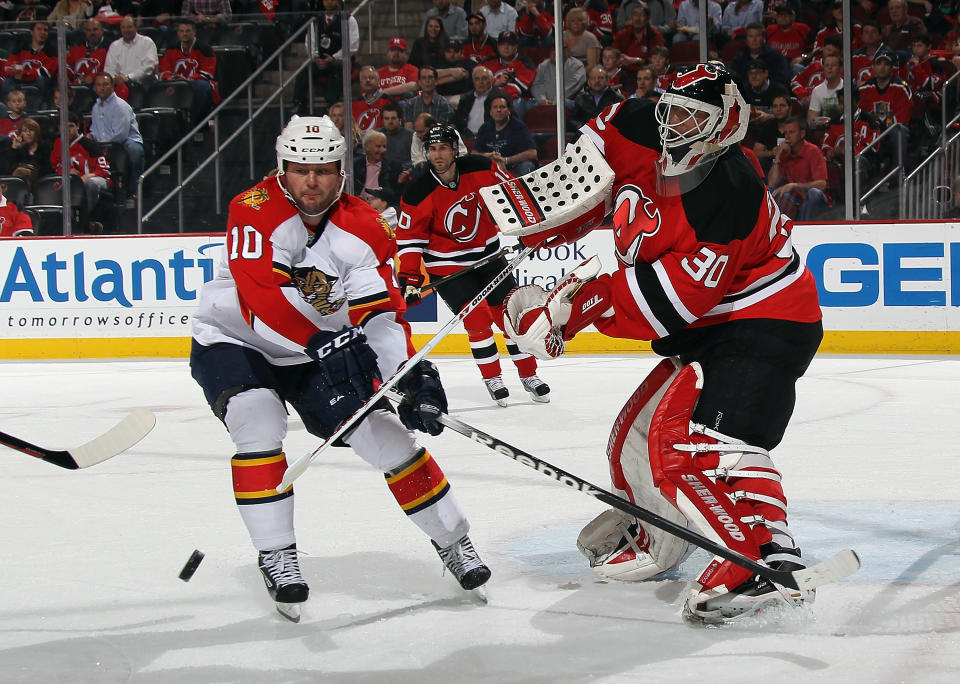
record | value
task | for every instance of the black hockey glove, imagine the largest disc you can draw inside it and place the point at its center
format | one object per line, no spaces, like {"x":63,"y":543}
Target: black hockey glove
{"x":424,"y":399}
{"x":410,"y":284}
{"x":348,"y":361}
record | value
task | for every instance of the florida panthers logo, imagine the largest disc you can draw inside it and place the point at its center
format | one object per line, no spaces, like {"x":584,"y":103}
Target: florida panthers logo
{"x":635,"y":216}
{"x":462,"y":220}
{"x":254,"y":197}
{"x":315,"y":287}
{"x":703,"y":72}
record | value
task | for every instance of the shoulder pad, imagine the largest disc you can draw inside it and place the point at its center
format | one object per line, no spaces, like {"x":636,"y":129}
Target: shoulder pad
{"x":474,"y":162}
{"x":419,"y":189}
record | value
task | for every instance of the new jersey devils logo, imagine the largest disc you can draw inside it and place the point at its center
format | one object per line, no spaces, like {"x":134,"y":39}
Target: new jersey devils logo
{"x":703,"y":72}
{"x":368,"y":119}
{"x":462,"y":220}
{"x":635,"y":217}
{"x":87,"y":66}
{"x":186,"y":67}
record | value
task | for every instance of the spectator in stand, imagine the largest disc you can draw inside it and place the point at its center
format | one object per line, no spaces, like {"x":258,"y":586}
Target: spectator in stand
{"x":887,"y":98}
{"x":337,"y":114}
{"x":399,"y":138}
{"x":798,"y":174}
{"x":367,"y":108}
{"x":32,"y":64}
{"x":418,"y":156}
{"x":535,"y":24}
{"x":208,"y":14}
{"x":512,"y":73}
{"x":398,"y":78}
{"x":454,"y":19}
{"x":453,"y":75}
{"x":131,"y":59}
{"x":637,"y":40}
{"x":834,"y":26}
{"x":761,"y":90}
{"x":159,"y":14}
{"x":902,"y":28}
{"x":757,"y":48}
{"x":13,"y":222}
{"x":663,"y":16}
{"x":428,"y":49}
{"x":544,"y":87}
{"x":31,"y":153}
{"x":480,"y":46}
{"x":646,"y":84}
{"x":500,"y":17}
{"x":194,"y":62}
{"x":621,"y":81}
{"x":599,"y":19}
{"x":89,"y":58}
{"x":660,"y":61}
{"x":378,"y":198}
{"x":428,"y":101}
{"x":506,"y":140}
{"x":73,"y":12}
{"x":824,"y":98}
{"x":737,"y":14}
{"x":766,"y":130}
{"x":688,"y":21}
{"x":473,"y":110}
{"x":375,"y":170}
{"x":864,"y":132}
{"x":925,"y":78}
{"x":113,"y":121}
{"x":864,"y":55}
{"x":327,"y":67}
{"x":595,"y":98}
{"x":16,"y":107}
{"x":583,"y":45}
{"x":88,"y":163}
{"x":789,"y":37}
{"x":812,"y":75}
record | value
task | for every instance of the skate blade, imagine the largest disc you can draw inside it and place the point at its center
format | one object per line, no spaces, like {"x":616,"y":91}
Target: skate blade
{"x":479,"y":594}
{"x":502,"y":403}
{"x":545,"y":399}
{"x":291,"y":611}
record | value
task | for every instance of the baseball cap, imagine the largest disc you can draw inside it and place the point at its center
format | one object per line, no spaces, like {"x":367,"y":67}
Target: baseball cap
{"x":785,"y":9}
{"x":757,"y":64}
{"x":885,"y":55}
{"x":508,"y":37}
{"x":477,"y":15}
{"x":453,"y":44}
{"x":397,"y":43}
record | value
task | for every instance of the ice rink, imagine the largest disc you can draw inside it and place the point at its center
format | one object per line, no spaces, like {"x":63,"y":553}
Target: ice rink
{"x":90,"y":593}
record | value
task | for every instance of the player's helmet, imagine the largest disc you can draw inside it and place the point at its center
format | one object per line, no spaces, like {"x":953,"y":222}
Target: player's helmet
{"x":442,"y":133}
{"x":700,"y":116}
{"x":310,"y":140}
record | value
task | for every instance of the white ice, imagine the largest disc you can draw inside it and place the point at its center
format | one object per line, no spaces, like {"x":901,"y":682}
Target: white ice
{"x":89,"y":589}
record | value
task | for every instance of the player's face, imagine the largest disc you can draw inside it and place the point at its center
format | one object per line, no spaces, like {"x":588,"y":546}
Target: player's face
{"x":312,"y":186}
{"x":682,"y":121}
{"x":441,"y":157}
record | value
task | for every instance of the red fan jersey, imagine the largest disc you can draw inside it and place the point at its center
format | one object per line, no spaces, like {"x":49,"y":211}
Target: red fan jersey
{"x":367,"y":113}
{"x":863,"y":135}
{"x":888,"y":105}
{"x":534,"y":29}
{"x":792,"y":43}
{"x":601,"y":24}
{"x":85,"y":157}
{"x":35,"y":64}
{"x":13,"y":222}
{"x":84,"y":62}
{"x":664,"y":81}
{"x":394,"y":77}
{"x":480,"y":51}
{"x":519,"y":73}
{"x":809,"y":78}
{"x":832,"y":30}
{"x":8,"y":125}
{"x":447,"y":225}
{"x":925,"y":76}
{"x":719,"y":252}
{"x":199,"y":62}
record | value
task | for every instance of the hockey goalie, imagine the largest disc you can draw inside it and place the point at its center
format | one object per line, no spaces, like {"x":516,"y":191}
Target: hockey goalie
{"x":707,"y":272}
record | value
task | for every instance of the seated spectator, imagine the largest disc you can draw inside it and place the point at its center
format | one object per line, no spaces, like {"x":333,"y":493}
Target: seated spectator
{"x":887,"y":99}
{"x":13,"y":222}
{"x":399,"y":138}
{"x":326,"y":69}
{"x":32,"y":64}
{"x":621,"y":81}
{"x":131,"y":60}
{"x":637,"y":40}
{"x":599,"y":19}
{"x":195,"y":63}
{"x":479,"y":46}
{"x":428,"y":50}
{"x":863,"y":56}
{"x":812,"y":75}
{"x":760,"y":90}
{"x":756,"y":48}
{"x":583,"y":45}
{"x":737,"y":14}
{"x":798,"y":174}
{"x":454,"y":19}
{"x":453,"y":74}
{"x":367,"y":108}
{"x":209,"y":15}
{"x":473,"y":109}
{"x":535,"y":24}
{"x":73,"y":12}
{"x":512,"y":73}
{"x":899,"y":32}
{"x":833,"y":26}
{"x":646,"y":85}
{"x":663,"y":16}
{"x":766,"y":130}
{"x":337,"y":114}
{"x":506,"y":140}
{"x":789,"y":37}
{"x":378,"y":198}
{"x":595,"y":98}
{"x":88,"y":163}
{"x":864,"y":132}
{"x":113,"y":121}
{"x":925,"y":78}
{"x":544,"y":87}
{"x":499,"y":16}
{"x":688,"y":21}
{"x":16,"y":107}
{"x":660,"y":61}
{"x":428,"y":101}
{"x":375,"y":170}
{"x":26,"y":154}
{"x":824,"y":97}
{"x":86,"y":60}
{"x":398,"y":78}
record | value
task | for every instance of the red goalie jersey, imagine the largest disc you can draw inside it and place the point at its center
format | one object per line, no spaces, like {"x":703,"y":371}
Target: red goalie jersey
{"x":719,"y":252}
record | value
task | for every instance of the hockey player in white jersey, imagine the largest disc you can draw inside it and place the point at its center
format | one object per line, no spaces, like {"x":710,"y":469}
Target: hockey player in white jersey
{"x":304,"y":310}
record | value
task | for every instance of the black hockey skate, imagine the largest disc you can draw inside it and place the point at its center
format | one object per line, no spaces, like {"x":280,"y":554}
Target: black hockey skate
{"x":464,"y":562}
{"x":754,"y":595}
{"x":281,"y":574}
{"x":538,"y":390}
{"x":498,"y":391}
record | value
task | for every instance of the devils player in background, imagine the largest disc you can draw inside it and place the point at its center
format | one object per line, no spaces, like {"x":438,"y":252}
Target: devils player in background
{"x":444,"y":228}
{"x":706,"y":272}
{"x":304,"y":310}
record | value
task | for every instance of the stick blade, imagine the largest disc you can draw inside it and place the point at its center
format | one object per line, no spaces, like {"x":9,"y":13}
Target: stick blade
{"x":839,"y":565}
{"x":116,"y":440}
{"x":293,"y":471}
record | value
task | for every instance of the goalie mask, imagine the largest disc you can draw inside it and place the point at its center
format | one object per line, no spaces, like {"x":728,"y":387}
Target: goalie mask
{"x":310,"y":140}
{"x":700,"y":117}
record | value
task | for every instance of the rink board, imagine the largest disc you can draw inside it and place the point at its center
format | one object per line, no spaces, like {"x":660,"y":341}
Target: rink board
{"x":884,"y":288}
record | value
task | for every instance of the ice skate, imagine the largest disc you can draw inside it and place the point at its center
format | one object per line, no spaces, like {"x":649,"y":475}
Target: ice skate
{"x":461,"y":559}
{"x":498,"y":391}
{"x":753,"y":596}
{"x":281,"y":574}
{"x":539,"y":390}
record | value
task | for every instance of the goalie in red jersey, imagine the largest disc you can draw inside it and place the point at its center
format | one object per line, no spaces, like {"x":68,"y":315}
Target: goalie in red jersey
{"x":304,"y":310}
{"x":707,"y":272}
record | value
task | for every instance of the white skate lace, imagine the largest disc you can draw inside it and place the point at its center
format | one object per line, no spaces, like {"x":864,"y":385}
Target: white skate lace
{"x":460,"y":558}
{"x":283,"y":566}
{"x":494,"y":384}
{"x":531,"y":383}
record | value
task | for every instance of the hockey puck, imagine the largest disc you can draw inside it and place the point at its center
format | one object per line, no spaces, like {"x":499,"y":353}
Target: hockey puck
{"x":191,"y":565}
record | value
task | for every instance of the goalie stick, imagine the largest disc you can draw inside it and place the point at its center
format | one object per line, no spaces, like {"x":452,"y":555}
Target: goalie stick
{"x":117,"y":439}
{"x":434,"y":284}
{"x":300,"y":465}
{"x":838,"y":566}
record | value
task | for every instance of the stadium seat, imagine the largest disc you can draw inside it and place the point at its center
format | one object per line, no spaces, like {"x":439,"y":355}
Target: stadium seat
{"x":542,"y":119}
{"x":116,"y":156}
{"x":18,"y":191}
{"x":83,"y":98}
{"x":158,"y":37}
{"x":730,"y":50}
{"x":33,"y":96}
{"x":233,"y":67}
{"x":48,"y":203}
{"x":685,"y":53}
{"x":174,"y":94}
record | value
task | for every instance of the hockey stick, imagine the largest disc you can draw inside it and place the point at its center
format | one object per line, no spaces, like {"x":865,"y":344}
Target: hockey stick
{"x":838,"y":566}
{"x":434,"y":284}
{"x":117,"y":439}
{"x":300,"y":465}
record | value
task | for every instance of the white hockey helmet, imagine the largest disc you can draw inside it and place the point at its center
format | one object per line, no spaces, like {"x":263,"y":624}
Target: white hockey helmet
{"x":310,"y":140}
{"x":701,"y":115}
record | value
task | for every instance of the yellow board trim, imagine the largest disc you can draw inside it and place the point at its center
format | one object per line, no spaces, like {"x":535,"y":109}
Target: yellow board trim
{"x":834,"y":342}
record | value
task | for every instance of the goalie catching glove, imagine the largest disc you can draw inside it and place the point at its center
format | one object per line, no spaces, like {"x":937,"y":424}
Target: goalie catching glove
{"x":541,"y":322}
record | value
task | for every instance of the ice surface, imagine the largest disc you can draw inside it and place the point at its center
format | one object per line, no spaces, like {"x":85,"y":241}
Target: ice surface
{"x":89,"y":589}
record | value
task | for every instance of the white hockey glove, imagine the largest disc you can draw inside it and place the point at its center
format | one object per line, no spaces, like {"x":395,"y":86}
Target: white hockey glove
{"x":541,"y":322}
